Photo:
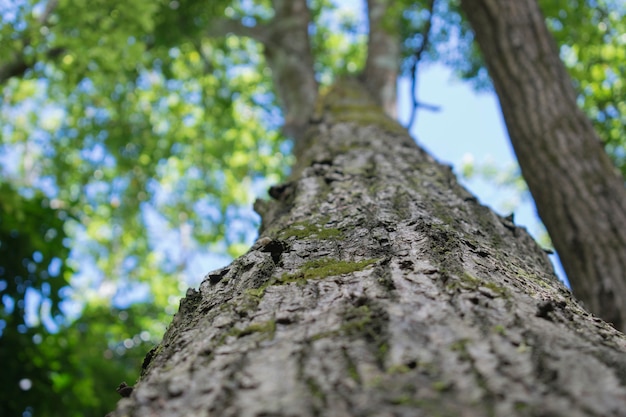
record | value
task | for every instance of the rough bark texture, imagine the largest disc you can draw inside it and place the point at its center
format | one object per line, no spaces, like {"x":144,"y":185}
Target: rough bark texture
{"x":579,"y":195}
{"x":380,"y":287}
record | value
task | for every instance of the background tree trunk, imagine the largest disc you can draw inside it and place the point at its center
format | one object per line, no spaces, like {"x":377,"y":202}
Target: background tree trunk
{"x":579,"y":194}
{"x":381,"y":287}
{"x":383,"y":55}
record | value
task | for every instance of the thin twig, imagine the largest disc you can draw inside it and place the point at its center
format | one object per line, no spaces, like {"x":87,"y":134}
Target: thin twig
{"x":417,"y":56}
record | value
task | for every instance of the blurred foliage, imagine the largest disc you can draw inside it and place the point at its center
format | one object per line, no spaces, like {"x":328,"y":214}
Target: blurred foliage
{"x":592,"y":36}
{"x":116,"y":116}
{"x":33,"y":272}
{"x":129,"y":141}
{"x":74,"y":372}
{"x":338,"y":40}
{"x":33,"y":250}
{"x":506,"y":181}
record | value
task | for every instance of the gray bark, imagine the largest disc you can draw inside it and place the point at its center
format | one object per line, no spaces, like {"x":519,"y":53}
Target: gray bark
{"x":383,"y":56}
{"x":579,"y":194}
{"x":288,"y":55}
{"x":380,"y":287}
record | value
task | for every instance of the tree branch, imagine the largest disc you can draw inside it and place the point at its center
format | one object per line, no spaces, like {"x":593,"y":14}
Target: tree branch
{"x":417,"y":56}
{"x":18,"y":66}
{"x":15,"y":67}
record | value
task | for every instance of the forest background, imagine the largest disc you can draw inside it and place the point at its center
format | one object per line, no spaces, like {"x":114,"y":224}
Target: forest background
{"x":132,"y":149}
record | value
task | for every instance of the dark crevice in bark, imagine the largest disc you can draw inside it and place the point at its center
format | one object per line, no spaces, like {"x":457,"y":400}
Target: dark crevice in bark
{"x":365,"y":320}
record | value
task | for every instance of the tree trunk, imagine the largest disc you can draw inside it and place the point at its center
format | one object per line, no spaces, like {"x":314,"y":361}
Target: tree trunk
{"x":579,"y":195}
{"x":380,"y":287}
{"x":383,"y":55}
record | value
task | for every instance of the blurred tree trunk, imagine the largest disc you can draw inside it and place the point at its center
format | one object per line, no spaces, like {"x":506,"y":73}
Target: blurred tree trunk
{"x":579,"y":195}
{"x":380,"y":287}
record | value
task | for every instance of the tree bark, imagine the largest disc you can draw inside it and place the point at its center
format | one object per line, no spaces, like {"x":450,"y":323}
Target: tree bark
{"x":579,"y":195}
{"x":380,"y":287}
{"x":383,"y":56}
{"x":288,"y":55}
